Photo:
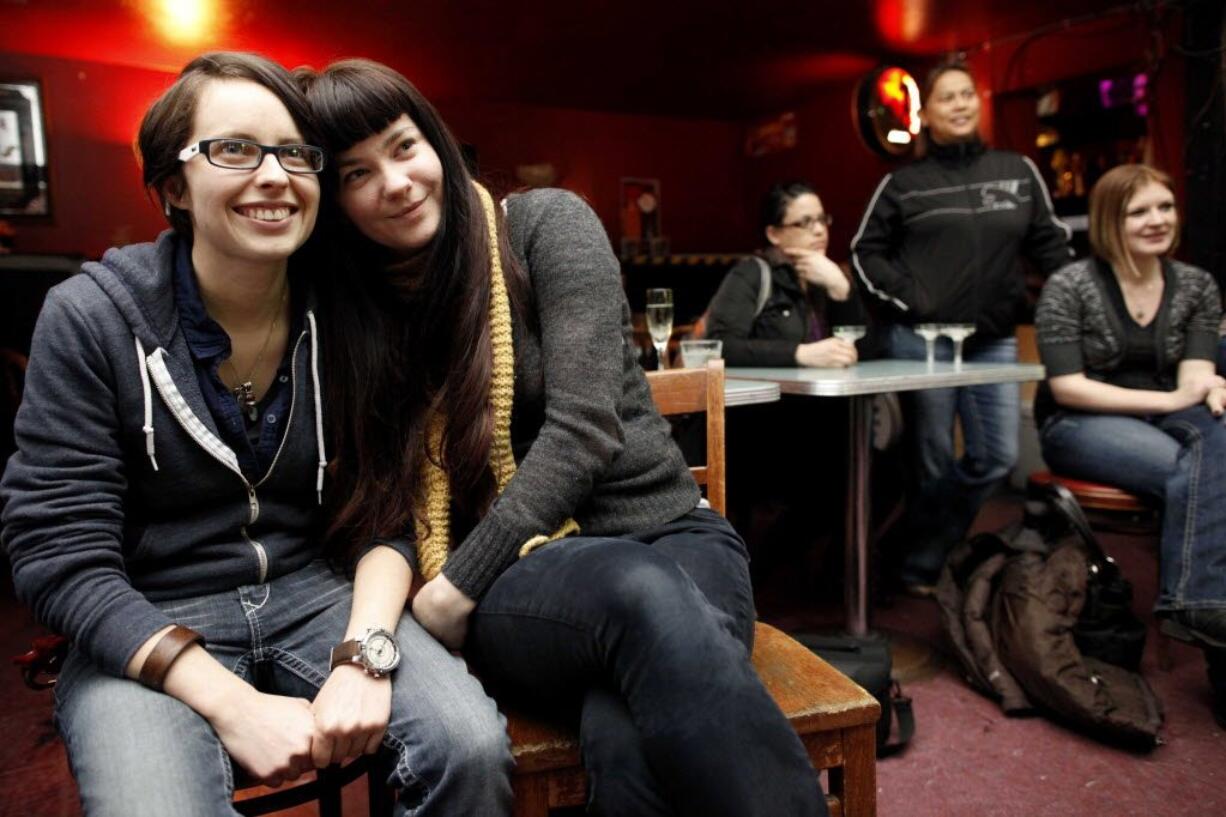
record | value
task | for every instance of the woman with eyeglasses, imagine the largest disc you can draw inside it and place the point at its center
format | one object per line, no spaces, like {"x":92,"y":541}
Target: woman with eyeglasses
{"x":497,"y":426}
{"x":940,"y":242}
{"x":163,"y":510}
{"x":774,"y":308}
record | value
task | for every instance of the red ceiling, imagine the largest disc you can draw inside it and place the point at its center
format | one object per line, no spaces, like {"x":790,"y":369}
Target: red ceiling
{"x":712,"y":58}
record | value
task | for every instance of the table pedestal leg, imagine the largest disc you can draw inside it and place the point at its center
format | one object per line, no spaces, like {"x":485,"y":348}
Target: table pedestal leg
{"x":855,"y":588}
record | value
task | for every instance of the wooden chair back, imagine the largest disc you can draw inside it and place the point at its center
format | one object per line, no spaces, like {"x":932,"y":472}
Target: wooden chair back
{"x":689,"y":391}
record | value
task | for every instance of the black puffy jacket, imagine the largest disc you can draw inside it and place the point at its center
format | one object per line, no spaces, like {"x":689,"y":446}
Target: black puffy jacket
{"x":941,"y":237}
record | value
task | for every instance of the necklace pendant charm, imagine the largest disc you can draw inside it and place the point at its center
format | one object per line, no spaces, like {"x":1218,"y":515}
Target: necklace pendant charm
{"x":244,"y":393}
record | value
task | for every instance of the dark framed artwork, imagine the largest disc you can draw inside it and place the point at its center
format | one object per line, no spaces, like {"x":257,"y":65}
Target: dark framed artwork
{"x":23,"y":151}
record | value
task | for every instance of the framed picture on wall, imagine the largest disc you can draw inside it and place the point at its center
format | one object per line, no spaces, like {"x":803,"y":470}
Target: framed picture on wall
{"x":23,"y":151}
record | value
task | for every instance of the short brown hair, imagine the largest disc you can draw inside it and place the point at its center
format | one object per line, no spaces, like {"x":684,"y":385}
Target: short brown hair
{"x":939,"y":70}
{"x":1108,"y":204}
{"x":168,"y":123}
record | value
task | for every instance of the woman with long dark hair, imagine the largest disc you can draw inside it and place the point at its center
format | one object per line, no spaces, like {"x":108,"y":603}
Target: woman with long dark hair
{"x":163,"y":508}
{"x":494,"y":424}
{"x":1128,"y":337}
{"x":940,"y":243}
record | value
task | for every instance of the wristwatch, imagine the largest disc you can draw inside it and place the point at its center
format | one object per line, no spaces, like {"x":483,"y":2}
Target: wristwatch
{"x":376,"y":651}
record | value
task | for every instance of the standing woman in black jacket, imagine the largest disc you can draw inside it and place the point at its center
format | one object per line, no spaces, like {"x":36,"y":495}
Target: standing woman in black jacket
{"x":939,"y":243}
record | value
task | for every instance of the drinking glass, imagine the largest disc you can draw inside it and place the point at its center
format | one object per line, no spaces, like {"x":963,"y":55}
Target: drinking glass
{"x":696,"y":353}
{"x":660,"y":322}
{"x":851,"y":332}
{"x":958,"y":332}
{"x":929,"y":332}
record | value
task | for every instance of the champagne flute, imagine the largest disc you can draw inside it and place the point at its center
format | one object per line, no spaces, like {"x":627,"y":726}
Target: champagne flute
{"x":929,"y":332}
{"x":958,"y":332}
{"x":660,"y":322}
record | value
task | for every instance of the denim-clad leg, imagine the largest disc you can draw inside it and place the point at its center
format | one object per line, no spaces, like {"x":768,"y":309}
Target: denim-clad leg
{"x":949,"y":491}
{"x":138,"y":753}
{"x":620,"y":779}
{"x":622,"y":615}
{"x":447,"y":744}
{"x":1179,"y":458}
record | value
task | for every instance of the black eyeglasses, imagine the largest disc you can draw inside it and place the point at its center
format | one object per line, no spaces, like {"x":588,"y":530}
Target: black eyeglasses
{"x":809,"y":222}
{"x":242,"y":154}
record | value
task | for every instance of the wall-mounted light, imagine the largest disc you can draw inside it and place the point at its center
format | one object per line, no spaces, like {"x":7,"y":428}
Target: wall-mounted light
{"x":887,"y":110}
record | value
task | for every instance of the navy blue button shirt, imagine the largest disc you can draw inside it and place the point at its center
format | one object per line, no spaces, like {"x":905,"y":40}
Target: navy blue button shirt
{"x":255,"y":443}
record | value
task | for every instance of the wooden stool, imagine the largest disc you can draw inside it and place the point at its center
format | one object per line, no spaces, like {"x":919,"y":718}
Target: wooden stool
{"x":836,"y":721}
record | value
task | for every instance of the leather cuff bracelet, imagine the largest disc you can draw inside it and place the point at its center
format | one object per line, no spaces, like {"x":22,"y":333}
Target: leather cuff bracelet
{"x":165,"y":652}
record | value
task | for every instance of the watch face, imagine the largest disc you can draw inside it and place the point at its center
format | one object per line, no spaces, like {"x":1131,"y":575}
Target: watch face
{"x":381,"y":652}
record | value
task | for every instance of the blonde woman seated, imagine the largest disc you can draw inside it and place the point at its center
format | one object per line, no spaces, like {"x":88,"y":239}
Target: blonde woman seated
{"x":1129,"y":337}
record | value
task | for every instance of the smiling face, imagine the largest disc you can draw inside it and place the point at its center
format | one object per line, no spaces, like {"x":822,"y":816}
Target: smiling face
{"x":1150,"y":221}
{"x":803,"y":227}
{"x":244,"y":216}
{"x":951,"y":111}
{"x":391,"y":187}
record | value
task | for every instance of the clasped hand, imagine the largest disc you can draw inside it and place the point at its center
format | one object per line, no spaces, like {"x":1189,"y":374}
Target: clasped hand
{"x":277,"y":739}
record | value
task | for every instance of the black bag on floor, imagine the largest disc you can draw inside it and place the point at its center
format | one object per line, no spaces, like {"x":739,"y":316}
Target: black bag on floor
{"x":866,"y":660}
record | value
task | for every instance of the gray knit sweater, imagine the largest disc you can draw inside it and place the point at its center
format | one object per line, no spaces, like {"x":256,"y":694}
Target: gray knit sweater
{"x":1079,"y":331}
{"x":587,"y":438}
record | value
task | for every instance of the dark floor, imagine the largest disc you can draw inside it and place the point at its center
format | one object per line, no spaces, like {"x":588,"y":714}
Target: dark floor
{"x":966,"y":759}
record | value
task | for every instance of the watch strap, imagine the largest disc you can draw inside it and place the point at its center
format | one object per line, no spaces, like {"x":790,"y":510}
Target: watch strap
{"x":347,"y":652}
{"x":169,"y":647}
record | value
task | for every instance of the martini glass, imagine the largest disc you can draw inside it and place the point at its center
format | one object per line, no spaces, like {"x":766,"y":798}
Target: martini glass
{"x":850,"y":332}
{"x":929,"y":332}
{"x":958,"y":332}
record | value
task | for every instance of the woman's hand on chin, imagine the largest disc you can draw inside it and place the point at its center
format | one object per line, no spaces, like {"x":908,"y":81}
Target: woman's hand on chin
{"x":443,"y":610}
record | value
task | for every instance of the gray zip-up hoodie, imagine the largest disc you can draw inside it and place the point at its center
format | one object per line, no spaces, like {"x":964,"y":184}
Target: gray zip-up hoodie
{"x":121,"y":493}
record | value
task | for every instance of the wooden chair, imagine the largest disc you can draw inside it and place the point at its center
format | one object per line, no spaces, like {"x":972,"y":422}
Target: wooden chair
{"x":836,"y":719}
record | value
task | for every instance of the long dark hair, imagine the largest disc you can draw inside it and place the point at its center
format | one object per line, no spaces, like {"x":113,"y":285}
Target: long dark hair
{"x":404,"y":340}
{"x":167,"y":124}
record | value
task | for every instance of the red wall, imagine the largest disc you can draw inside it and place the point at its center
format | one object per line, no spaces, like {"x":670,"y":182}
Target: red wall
{"x":698,"y":163}
{"x":830,"y":154}
{"x":92,"y":112}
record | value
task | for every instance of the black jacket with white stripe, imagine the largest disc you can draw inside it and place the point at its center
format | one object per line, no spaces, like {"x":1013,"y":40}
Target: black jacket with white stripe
{"x":941,"y":237}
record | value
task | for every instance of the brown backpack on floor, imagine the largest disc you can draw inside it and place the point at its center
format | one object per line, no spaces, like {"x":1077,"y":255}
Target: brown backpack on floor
{"x":1014,"y":606}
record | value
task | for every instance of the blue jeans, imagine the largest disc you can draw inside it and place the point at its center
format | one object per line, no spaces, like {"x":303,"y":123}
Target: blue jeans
{"x":949,"y":492}
{"x":644,"y":641}
{"x":1178,"y":458}
{"x":138,"y":752}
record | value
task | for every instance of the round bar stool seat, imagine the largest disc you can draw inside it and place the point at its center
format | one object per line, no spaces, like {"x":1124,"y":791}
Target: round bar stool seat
{"x":1095,"y":496}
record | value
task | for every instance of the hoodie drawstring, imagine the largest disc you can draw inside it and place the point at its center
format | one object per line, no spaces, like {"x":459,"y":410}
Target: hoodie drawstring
{"x":148,"y":395}
{"x":319,"y":411}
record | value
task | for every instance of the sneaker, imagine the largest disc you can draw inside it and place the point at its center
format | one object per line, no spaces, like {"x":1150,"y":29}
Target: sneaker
{"x":1205,"y":628}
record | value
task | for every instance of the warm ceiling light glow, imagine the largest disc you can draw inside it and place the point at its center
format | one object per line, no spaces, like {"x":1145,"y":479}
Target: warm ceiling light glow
{"x":184,"y":22}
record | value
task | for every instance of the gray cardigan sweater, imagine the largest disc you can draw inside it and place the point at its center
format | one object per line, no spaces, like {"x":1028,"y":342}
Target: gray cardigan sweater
{"x":586,"y":436}
{"x":1079,"y":331}
{"x":121,"y":492}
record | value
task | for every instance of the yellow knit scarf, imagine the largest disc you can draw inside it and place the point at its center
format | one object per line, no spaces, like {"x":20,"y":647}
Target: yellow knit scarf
{"x":432,"y":548}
